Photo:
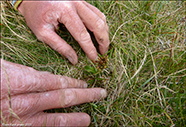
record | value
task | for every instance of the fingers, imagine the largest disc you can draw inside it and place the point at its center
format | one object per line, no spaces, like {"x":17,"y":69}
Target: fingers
{"x":98,"y":12}
{"x":60,"y":119}
{"x":43,"y":81}
{"x":58,"y":44}
{"x":76,"y":16}
{"x":77,"y":29}
{"x":95,"y":21}
{"x":52,"y":119}
{"x":24,"y":79}
{"x":36,"y":102}
{"x":67,"y":97}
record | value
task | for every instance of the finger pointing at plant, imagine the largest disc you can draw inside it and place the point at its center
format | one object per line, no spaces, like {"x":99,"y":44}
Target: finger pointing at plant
{"x":25,"y":93}
{"x":43,"y":19}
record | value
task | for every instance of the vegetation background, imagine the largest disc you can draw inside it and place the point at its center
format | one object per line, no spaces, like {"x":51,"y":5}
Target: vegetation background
{"x":146,"y":72}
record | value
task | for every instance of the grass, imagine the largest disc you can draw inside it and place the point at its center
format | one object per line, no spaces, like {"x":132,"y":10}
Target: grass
{"x":146,"y":73}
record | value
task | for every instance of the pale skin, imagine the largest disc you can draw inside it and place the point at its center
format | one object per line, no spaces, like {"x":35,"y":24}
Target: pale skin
{"x":44,"y":17}
{"x":33,"y":91}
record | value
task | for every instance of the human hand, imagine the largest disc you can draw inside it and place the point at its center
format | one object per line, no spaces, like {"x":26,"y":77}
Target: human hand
{"x":25,"y":93}
{"x":44,"y":17}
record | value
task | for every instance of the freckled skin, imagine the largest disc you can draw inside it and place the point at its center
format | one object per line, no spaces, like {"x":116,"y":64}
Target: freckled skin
{"x":32,"y":92}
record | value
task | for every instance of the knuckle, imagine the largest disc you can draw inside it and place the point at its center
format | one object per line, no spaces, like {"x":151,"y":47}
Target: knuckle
{"x":74,"y":82}
{"x":100,"y":24}
{"x":84,"y":36}
{"x":42,"y":32}
{"x":64,"y":81}
{"x":103,"y":16}
{"x":93,"y":96}
{"x":62,"y":120}
{"x":80,"y":83}
{"x":67,"y":7}
{"x":90,"y":95}
{"x":69,"y":98}
{"x":61,"y":49}
{"x":18,"y":105}
{"x":68,"y":11}
{"x":22,"y":106}
{"x":48,"y":16}
{"x":92,"y":51}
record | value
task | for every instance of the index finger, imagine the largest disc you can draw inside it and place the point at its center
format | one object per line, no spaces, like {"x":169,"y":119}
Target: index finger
{"x":95,"y":22}
{"x":77,"y":29}
{"x":98,"y":12}
{"x":56,"y":99}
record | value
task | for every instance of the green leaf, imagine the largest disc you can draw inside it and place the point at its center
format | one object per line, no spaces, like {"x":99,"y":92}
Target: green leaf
{"x":90,"y":69}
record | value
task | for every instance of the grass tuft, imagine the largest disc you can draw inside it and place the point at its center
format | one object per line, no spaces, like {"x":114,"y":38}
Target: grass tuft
{"x":146,"y":73}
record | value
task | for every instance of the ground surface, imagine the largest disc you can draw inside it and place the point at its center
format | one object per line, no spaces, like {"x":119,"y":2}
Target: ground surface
{"x":146,"y":73}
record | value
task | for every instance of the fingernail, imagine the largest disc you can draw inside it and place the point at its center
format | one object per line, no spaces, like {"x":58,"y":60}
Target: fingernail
{"x":92,"y":54}
{"x":103,"y":93}
{"x":63,"y":120}
{"x":106,"y":51}
{"x":70,"y":59}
